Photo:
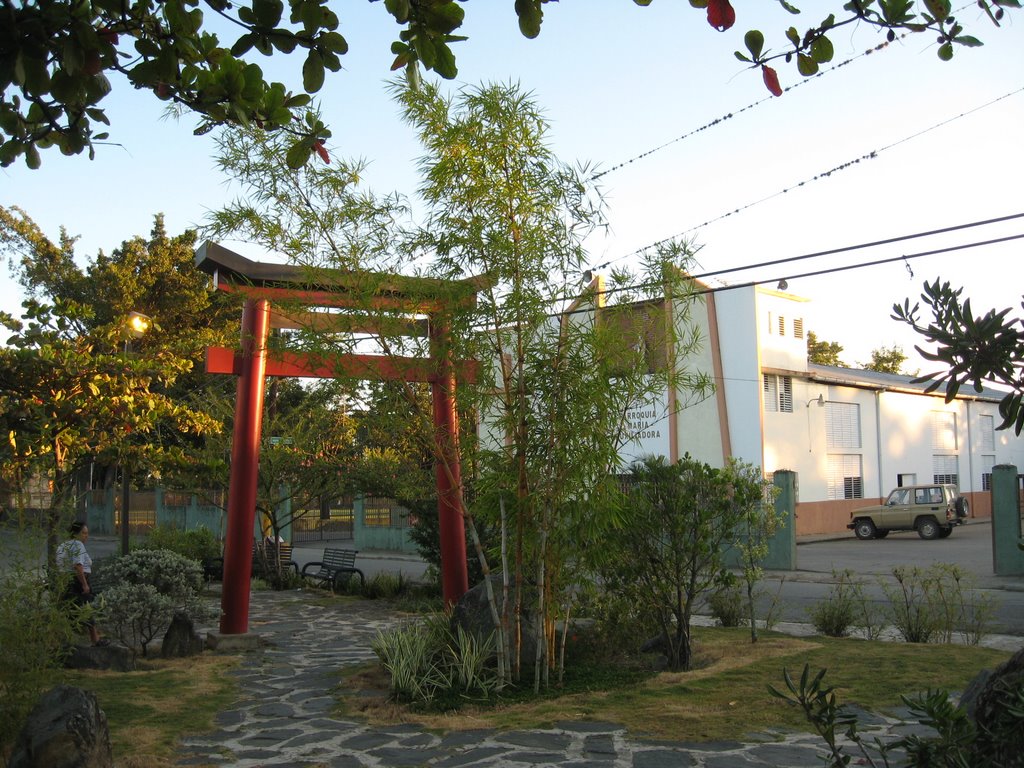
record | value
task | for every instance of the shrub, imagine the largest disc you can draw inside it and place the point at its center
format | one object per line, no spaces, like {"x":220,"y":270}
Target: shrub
{"x":147,"y":588}
{"x":199,"y":544}
{"x":36,"y":630}
{"x":726,"y":605}
{"x":433,"y":665}
{"x":933,"y":603}
{"x":383,"y":585}
{"x":838,"y":612}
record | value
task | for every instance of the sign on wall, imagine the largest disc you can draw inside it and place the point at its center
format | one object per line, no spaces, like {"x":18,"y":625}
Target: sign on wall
{"x":648,"y":423}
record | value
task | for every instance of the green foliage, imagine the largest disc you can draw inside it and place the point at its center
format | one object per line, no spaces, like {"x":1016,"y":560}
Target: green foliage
{"x":950,"y":736}
{"x":198,"y":544}
{"x":36,"y":630}
{"x":433,"y":665}
{"x":382,"y":586}
{"x":886,"y":360}
{"x":843,"y":607}
{"x":678,"y":519}
{"x":70,"y":393}
{"x":823,"y":352}
{"x":969,"y":349}
{"x":821,"y":709}
{"x":931,"y":604}
{"x":55,"y":59}
{"x":147,"y":587}
{"x":726,"y":605}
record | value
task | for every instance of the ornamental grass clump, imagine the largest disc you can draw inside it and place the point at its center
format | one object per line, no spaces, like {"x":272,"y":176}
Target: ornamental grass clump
{"x":434,"y":665}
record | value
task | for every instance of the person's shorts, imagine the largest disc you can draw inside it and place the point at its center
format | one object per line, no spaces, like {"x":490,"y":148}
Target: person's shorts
{"x":74,"y":595}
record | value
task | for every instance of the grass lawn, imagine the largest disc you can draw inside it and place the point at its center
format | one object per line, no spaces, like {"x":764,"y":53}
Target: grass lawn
{"x":725,"y":697}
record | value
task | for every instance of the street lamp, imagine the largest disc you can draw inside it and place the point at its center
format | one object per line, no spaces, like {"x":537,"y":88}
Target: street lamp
{"x":820,"y":400}
{"x":136,"y":325}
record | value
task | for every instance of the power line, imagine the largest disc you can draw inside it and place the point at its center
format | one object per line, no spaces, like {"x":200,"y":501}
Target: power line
{"x":748,"y":107}
{"x":816,"y":273}
{"x":861,"y":246}
{"x":817,"y":177}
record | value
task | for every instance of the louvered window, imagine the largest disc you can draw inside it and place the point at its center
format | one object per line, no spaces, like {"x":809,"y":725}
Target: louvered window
{"x":845,"y":478}
{"x":943,"y":431}
{"x":842,"y":425}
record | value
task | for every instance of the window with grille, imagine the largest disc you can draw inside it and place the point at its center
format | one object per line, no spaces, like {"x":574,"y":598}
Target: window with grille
{"x":798,"y":327}
{"x":778,"y":393}
{"x":944,"y":470}
{"x":845,"y":477}
{"x":988,"y":433}
{"x":987,"y":462}
{"x":842,"y":425}
{"x":943,"y":431}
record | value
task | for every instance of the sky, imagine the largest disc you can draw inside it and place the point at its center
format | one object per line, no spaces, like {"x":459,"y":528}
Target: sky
{"x":938,"y":145}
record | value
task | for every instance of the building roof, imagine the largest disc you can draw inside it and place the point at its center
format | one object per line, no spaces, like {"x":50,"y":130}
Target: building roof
{"x":853,"y":377}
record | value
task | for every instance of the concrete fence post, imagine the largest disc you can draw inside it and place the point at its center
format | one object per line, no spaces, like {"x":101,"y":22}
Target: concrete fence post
{"x":1007,"y":558}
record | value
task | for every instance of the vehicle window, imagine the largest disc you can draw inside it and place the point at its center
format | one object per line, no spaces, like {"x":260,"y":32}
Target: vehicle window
{"x":936,"y":495}
{"x":921,"y":496}
{"x":899,"y":496}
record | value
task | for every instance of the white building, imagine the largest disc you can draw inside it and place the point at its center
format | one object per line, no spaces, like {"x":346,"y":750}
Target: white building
{"x":850,"y":435}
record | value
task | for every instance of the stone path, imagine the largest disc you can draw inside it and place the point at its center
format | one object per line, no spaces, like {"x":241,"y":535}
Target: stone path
{"x":283,"y":717}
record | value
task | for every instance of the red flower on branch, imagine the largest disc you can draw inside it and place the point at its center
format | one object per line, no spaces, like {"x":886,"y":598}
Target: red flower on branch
{"x":721,"y":15}
{"x":771,"y":80}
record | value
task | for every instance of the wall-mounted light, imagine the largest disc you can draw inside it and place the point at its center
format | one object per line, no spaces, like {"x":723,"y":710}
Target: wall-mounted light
{"x":783,"y":285}
{"x":820,"y":400}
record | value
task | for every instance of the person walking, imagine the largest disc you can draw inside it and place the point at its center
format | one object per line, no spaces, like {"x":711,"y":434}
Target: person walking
{"x":73,"y":557}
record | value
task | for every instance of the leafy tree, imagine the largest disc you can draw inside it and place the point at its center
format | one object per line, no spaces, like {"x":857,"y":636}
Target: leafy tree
{"x":56,"y":56}
{"x":886,"y":360}
{"x":971,"y":348}
{"x":67,"y":399}
{"x":823,"y":352}
{"x":154,"y":275}
{"x":669,"y":551}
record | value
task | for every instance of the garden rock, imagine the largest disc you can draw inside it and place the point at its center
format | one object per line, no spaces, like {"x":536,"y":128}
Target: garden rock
{"x":115,"y":657}
{"x":473,"y":613}
{"x":181,"y":639}
{"x":999,"y":731}
{"x":66,"y":729}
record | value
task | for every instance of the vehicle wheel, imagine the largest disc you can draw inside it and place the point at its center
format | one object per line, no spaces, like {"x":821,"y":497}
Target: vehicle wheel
{"x":927,"y":528}
{"x":864,"y":529}
{"x":945,"y":531}
{"x":962,"y":507}
{"x":881,"y":533}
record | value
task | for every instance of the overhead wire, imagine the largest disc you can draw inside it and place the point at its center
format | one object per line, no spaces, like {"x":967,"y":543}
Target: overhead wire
{"x":817,"y":177}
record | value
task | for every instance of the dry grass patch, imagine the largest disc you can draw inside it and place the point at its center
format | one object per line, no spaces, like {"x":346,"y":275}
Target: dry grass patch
{"x":149,"y":710}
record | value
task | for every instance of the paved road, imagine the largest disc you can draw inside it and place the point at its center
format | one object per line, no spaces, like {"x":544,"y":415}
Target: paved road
{"x":969,"y":547}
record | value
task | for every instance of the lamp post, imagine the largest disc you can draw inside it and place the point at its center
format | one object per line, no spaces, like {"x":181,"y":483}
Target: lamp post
{"x":136,"y":326}
{"x":820,"y":400}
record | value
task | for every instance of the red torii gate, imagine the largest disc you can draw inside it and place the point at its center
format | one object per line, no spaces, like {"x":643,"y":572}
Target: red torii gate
{"x":261,"y":284}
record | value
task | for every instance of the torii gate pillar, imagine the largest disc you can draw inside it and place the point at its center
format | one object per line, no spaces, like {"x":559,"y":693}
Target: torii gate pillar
{"x":452,"y":529}
{"x":245,"y":459}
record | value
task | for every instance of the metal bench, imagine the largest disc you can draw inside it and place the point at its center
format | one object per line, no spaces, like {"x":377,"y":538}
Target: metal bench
{"x":336,"y":568}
